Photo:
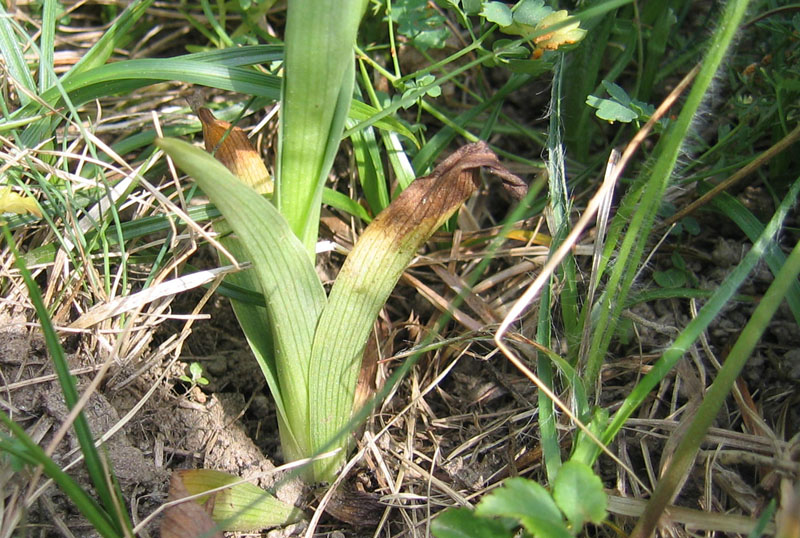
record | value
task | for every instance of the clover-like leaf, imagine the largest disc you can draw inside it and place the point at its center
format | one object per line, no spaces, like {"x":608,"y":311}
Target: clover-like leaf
{"x":621,"y":107}
{"x":420,"y":23}
{"x":464,"y":523}
{"x":530,"y":12}
{"x":579,"y":493}
{"x":670,"y":278}
{"x":610,"y":110}
{"x":528,"y":502}
{"x":498,"y":13}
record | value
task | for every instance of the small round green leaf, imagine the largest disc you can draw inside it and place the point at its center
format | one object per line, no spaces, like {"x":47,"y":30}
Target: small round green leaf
{"x":691,"y":225}
{"x":463,"y":523}
{"x":579,"y":494}
{"x":528,"y":502}
{"x":671,"y":278}
{"x":677,"y":261}
{"x":498,"y":13}
{"x":617,"y":93}
{"x":530,"y":12}
{"x":611,"y":110}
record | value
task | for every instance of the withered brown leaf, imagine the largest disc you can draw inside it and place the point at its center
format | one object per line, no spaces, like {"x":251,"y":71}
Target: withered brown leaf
{"x":431,"y":199}
{"x":188,"y":518}
{"x":234,"y":151}
{"x":357,"y":508}
{"x":414,"y":216}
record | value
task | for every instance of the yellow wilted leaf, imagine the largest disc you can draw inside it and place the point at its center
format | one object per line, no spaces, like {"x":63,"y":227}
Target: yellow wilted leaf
{"x":242,"y":507}
{"x":189,"y":518}
{"x":12,"y":202}
{"x":235,"y":152}
{"x":572,"y":33}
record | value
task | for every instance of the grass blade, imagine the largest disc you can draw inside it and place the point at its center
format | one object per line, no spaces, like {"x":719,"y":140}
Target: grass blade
{"x":95,"y":467}
{"x":13,"y":57}
{"x":26,"y":450}
{"x":706,"y":315}
{"x":715,"y":396}
{"x":753,"y":228}
{"x":46,"y":45}
{"x":656,"y":181}
{"x":112,"y":38}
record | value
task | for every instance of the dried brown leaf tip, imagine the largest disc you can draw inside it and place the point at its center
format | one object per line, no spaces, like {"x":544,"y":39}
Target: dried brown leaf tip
{"x":480,"y":155}
{"x":430,"y":200}
{"x":187,"y":518}
{"x":232,"y":148}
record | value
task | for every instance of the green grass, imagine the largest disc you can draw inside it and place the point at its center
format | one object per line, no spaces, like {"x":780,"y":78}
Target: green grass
{"x":116,"y":221}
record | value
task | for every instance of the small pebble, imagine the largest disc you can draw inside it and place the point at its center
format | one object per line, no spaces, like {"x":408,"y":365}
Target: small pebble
{"x":725,"y":254}
{"x":260,"y":405}
{"x":198,"y":395}
{"x":217,"y":366}
{"x":792,"y":358}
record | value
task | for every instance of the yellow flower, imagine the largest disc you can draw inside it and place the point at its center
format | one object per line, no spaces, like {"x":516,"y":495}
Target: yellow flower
{"x":11,"y":202}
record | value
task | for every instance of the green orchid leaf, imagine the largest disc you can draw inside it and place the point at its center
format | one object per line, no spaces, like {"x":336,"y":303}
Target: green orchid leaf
{"x":243,"y":507}
{"x":293,"y":293}
{"x":367,"y":278}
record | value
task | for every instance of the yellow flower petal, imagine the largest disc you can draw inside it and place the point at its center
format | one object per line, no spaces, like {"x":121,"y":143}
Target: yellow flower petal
{"x":11,"y":202}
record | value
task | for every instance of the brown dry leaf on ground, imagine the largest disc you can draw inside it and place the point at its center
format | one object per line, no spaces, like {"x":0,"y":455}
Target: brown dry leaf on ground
{"x":187,"y":518}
